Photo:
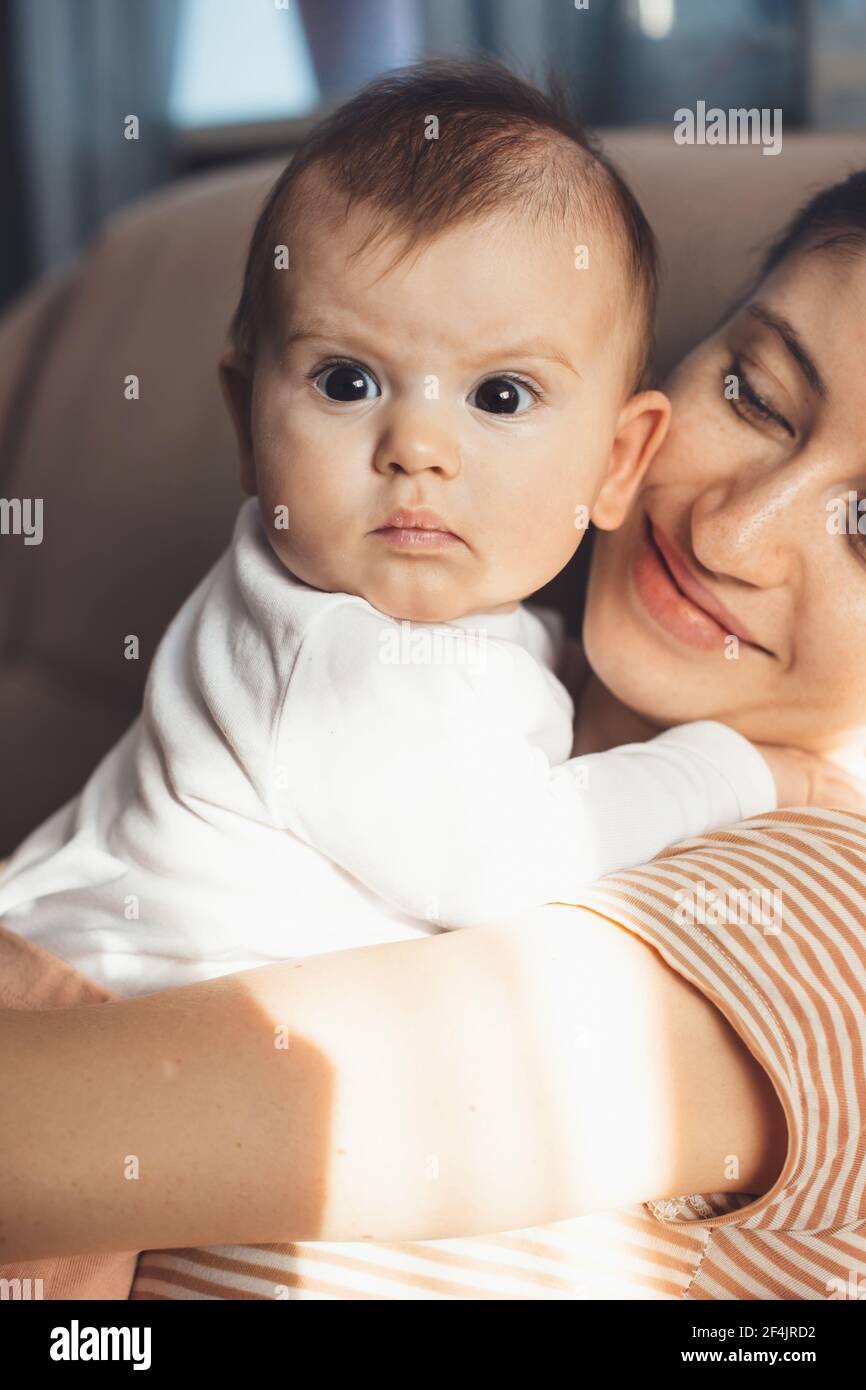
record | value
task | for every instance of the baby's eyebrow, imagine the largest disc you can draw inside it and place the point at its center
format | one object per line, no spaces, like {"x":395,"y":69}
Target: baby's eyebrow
{"x":537,"y":348}
{"x":311,"y":329}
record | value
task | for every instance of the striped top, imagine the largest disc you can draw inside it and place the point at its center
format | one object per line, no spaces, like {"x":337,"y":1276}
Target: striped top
{"x":767,"y":919}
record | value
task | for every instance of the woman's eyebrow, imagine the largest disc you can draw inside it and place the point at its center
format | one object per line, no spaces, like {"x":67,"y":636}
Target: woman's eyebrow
{"x":793,"y":342}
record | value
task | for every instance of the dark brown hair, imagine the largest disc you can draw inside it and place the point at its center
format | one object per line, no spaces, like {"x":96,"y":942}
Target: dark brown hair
{"x":505,"y":144}
{"x":833,"y":220}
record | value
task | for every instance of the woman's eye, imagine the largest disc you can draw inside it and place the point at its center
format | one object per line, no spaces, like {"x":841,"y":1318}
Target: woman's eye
{"x":747,"y":402}
{"x":344,"y":381}
{"x":500,"y":395}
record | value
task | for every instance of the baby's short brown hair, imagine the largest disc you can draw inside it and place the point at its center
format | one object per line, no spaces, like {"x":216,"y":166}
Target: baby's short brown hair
{"x":502,"y":143}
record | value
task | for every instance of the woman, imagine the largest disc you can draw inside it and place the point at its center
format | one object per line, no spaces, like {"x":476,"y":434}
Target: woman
{"x":503,"y":1078}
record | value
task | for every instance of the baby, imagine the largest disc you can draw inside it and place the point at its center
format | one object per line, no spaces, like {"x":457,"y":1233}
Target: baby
{"x":353,"y":731}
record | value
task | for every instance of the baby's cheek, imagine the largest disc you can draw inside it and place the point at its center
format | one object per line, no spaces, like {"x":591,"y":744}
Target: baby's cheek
{"x":556,"y":517}
{"x":273,"y":476}
{"x":305,"y":562}
{"x":535,"y":547}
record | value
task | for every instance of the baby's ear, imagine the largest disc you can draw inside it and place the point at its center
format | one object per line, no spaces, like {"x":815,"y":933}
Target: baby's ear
{"x":640,"y":431}
{"x":236,"y":381}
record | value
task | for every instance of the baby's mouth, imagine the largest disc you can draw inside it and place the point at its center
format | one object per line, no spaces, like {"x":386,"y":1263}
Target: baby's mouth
{"x":417,"y":538}
{"x":417,"y":529}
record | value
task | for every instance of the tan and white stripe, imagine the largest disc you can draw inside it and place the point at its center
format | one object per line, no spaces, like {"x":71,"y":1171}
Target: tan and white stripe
{"x":797,"y":998}
{"x":616,"y":1255}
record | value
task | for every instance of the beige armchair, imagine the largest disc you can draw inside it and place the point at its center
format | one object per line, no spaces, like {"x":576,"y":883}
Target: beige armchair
{"x":139,"y":495}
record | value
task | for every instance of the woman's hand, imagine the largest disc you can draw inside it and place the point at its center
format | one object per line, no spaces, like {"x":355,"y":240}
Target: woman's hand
{"x":804,"y":779}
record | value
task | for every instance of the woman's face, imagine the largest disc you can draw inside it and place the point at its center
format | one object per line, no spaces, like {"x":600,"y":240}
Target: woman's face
{"x":736,"y":589}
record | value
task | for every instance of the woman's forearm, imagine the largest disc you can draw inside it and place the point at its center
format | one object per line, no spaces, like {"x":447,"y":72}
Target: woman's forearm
{"x":474,"y":1082}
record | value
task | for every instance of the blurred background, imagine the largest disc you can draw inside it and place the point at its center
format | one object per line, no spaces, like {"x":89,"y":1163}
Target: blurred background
{"x":213,"y":82}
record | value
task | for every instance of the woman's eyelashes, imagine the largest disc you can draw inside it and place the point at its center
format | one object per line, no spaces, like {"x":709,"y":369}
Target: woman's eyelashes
{"x":747,"y":402}
{"x":341,"y":380}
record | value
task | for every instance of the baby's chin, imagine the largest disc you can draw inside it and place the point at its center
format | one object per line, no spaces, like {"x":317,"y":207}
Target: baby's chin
{"x":420,"y":595}
{"x":415,"y":608}
{"x":425,"y":595}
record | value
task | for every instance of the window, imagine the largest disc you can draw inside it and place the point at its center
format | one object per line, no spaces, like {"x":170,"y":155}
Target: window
{"x":237,"y":61}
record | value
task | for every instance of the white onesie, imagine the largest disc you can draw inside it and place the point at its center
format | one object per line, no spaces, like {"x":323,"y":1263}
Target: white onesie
{"x":308,"y":774}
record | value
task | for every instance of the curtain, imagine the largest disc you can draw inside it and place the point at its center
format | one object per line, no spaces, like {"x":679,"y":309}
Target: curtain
{"x":352,"y":41}
{"x":83,"y":67}
{"x":532,"y":36}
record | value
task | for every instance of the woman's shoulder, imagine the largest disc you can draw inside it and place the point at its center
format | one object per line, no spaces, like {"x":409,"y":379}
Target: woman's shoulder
{"x":766,"y":920}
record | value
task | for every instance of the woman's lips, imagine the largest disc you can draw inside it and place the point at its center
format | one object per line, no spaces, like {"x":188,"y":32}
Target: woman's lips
{"x":658,"y":575}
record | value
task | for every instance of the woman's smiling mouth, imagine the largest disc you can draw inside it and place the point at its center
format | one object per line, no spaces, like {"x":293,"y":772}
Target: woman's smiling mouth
{"x":677,"y":600}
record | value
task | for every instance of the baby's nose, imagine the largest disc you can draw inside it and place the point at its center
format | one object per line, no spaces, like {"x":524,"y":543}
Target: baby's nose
{"x":417,"y":447}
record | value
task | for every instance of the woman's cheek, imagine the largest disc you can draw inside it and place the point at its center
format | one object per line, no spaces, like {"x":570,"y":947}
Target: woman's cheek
{"x":682,"y":440}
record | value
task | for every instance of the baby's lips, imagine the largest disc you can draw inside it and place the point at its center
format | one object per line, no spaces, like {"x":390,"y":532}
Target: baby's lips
{"x":412,"y":518}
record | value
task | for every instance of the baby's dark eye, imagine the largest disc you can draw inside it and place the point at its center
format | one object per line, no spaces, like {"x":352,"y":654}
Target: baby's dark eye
{"x":500,"y":395}
{"x":345,"y":381}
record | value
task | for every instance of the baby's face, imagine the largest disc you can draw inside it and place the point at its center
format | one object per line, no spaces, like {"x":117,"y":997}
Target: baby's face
{"x":475,"y":390}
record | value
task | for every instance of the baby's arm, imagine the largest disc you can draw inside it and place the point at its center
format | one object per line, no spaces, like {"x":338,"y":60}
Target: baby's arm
{"x":429,"y":783}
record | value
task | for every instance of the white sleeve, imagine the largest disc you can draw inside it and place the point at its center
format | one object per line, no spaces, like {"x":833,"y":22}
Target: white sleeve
{"x":429,"y":783}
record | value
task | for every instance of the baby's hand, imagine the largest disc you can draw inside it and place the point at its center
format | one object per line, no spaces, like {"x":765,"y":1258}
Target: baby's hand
{"x":804,"y":779}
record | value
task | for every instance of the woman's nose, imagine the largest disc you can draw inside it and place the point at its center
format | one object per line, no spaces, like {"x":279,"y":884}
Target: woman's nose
{"x":417,"y":443}
{"x":751,"y":529}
